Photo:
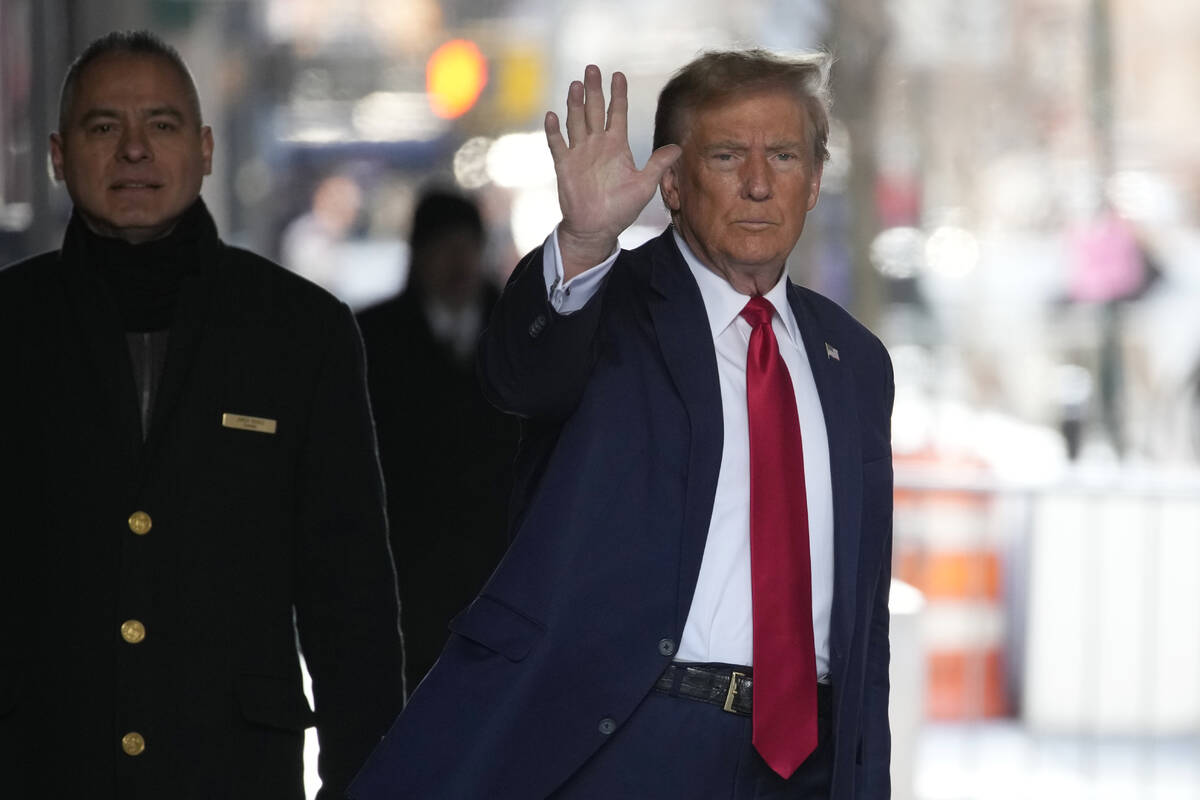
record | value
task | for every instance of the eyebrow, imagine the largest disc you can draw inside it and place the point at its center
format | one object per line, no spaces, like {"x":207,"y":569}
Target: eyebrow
{"x":165,"y":111}
{"x":98,"y":113}
{"x":108,"y":113}
{"x":733,"y":144}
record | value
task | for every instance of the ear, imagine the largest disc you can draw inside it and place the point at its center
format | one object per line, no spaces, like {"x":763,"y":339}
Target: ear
{"x":206,"y":148}
{"x":56,"y":155}
{"x":668,"y":187}
{"x":814,"y":187}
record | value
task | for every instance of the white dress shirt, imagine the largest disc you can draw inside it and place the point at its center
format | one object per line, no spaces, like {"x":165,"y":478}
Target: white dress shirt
{"x":719,"y":624}
{"x":458,"y":328}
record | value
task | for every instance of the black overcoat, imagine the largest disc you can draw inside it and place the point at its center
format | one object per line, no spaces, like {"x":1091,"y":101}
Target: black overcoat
{"x":447,"y":458}
{"x":252,"y":535}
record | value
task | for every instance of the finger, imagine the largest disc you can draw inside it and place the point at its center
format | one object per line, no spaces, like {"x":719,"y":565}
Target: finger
{"x":618,"y":105}
{"x":661,"y":160}
{"x":576,"y":124}
{"x":594,"y":105}
{"x":554,"y":137}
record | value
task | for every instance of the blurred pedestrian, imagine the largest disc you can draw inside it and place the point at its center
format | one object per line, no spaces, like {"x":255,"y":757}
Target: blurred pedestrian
{"x":312,"y":244}
{"x":188,"y":477}
{"x":447,"y":454}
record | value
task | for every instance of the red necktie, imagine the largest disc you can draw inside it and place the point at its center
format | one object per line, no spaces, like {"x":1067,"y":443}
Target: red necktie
{"x":785,"y":664}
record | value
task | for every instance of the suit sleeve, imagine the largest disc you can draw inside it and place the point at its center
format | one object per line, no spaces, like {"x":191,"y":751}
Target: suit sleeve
{"x":346,"y":608}
{"x":533,"y":361}
{"x":875,"y":759}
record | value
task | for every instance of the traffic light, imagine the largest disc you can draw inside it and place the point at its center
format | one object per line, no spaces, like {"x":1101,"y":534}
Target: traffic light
{"x":455,"y":75}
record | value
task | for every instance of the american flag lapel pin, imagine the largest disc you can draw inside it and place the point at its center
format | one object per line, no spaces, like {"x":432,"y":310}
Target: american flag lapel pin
{"x":832,"y":352}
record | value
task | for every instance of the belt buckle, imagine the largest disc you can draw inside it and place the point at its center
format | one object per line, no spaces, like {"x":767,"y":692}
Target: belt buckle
{"x":732,"y":691}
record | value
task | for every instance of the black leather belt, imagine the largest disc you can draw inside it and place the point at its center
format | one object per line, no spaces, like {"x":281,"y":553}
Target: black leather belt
{"x":725,"y":685}
{"x":730,"y":687}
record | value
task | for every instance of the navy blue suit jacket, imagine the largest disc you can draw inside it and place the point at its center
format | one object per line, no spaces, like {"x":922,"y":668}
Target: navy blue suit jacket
{"x":615,"y":490}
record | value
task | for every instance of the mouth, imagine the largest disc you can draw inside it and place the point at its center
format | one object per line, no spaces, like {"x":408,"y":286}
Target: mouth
{"x":754,"y":224}
{"x":127,"y":186}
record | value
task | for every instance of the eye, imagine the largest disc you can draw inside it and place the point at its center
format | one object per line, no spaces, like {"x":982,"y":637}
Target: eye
{"x":164,"y":126}
{"x":102,"y":127}
{"x":785,"y":156}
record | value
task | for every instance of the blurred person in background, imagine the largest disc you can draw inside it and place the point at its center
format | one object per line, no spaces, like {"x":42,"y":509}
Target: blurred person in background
{"x":447,"y":454}
{"x":311,"y":243}
{"x":188,"y":476}
{"x":694,"y":603}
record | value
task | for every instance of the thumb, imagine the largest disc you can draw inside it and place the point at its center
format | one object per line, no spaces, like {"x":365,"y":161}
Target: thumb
{"x":661,"y":160}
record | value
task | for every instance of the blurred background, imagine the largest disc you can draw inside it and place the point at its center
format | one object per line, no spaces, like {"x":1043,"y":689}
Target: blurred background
{"x":1012,"y":204}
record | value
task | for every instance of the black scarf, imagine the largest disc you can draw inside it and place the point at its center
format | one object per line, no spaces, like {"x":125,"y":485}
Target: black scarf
{"x":144,"y":279}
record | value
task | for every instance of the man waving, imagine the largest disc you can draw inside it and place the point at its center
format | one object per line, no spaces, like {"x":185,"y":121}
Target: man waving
{"x":695,"y":600}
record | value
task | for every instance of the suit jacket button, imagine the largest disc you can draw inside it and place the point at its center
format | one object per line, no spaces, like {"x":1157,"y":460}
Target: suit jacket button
{"x":133,"y":631}
{"x":537,"y":326}
{"x":140,"y":523}
{"x":666,"y":647}
{"x":607,"y":726}
{"x":133,"y":744}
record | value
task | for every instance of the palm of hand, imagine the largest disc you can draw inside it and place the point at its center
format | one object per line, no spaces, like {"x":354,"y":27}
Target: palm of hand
{"x":600,"y":189}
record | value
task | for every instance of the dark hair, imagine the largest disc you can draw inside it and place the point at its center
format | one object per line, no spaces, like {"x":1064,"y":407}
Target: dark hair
{"x":441,"y":211}
{"x":140,"y":42}
{"x":720,"y":75}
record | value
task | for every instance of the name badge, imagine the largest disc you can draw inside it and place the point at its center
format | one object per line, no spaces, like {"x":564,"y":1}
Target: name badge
{"x":245,"y":423}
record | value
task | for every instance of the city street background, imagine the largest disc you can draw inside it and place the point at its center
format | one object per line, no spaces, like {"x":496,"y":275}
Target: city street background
{"x":1012,"y":204}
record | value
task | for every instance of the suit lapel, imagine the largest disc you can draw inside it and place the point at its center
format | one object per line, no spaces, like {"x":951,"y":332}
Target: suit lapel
{"x":681,"y":327}
{"x":96,"y":323}
{"x":835,"y":386}
{"x":184,"y":340}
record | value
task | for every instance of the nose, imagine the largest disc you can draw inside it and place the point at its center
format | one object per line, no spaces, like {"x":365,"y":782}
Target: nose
{"x":756,"y":177}
{"x":134,"y":145}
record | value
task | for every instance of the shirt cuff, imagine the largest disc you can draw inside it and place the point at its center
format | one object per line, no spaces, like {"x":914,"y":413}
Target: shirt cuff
{"x":567,"y":297}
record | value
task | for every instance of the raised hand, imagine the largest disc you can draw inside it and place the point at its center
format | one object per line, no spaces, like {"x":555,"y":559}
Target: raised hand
{"x":600,"y":190}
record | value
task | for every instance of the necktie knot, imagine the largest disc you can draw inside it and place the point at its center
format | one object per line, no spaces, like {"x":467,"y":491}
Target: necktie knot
{"x":758,"y":311}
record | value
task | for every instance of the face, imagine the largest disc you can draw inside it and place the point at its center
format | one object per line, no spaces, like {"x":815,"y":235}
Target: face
{"x":746,"y":180}
{"x":452,"y":268}
{"x":132,"y":151}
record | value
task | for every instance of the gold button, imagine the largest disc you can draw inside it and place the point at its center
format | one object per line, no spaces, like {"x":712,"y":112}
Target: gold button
{"x":133,"y":744}
{"x":140,"y":523}
{"x":133,"y":631}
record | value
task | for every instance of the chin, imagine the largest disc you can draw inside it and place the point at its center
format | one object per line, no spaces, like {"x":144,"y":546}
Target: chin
{"x":141,"y":217}
{"x":763,"y":256}
{"x":143,"y":230}
{"x":134,"y":221}
{"x":131,"y":228}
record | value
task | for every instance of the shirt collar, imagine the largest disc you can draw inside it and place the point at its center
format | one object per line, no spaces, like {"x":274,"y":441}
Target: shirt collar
{"x":724,"y":304}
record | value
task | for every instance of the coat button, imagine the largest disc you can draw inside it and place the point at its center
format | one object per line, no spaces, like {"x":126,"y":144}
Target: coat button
{"x":666,"y":647}
{"x":140,"y":523}
{"x":133,"y":744}
{"x":133,"y":631}
{"x":537,"y":326}
{"x":608,"y":725}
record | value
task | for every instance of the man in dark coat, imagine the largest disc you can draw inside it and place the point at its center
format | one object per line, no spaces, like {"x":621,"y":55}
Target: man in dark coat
{"x":447,"y":454}
{"x":694,"y":603}
{"x":188,"y":477}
